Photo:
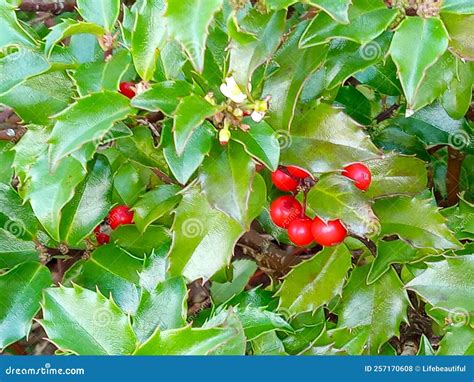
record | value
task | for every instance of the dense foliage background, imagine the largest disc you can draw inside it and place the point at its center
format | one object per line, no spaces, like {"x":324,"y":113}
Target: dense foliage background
{"x":181,"y":110}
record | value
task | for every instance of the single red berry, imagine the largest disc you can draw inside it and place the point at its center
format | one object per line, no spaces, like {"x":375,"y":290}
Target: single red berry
{"x":327,"y":234}
{"x":298,"y":172}
{"x":102,"y":237}
{"x":299,"y":231}
{"x":120,"y":215}
{"x":360,"y":174}
{"x":283,"y":181}
{"x":128,"y":89}
{"x":284,"y":210}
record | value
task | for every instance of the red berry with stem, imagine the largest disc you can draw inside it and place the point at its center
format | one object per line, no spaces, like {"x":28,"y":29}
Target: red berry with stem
{"x":360,"y":174}
{"x":299,"y":231}
{"x":102,"y":237}
{"x":284,"y":210}
{"x":284,"y":182}
{"x":298,"y":172}
{"x":128,"y":89}
{"x":328,"y":234}
{"x":120,"y":215}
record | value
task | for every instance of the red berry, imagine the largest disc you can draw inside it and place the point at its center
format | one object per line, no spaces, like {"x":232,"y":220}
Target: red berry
{"x":102,"y":237}
{"x":283,"y":181}
{"x":327,"y":234}
{"x":360,"y":174}
{"x":299,"y":231}
{"x":284,"y":210}
{"x":120,"y":215}
{"x":298,"y":172}
{"x":128,"y":89}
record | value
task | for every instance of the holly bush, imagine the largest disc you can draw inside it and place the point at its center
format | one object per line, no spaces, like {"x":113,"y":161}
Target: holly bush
{"x":236,"y":177}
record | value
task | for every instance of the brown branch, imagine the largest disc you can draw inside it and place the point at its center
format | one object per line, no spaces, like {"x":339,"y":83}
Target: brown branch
{"x":367,"y":242}
{"x":165,"y":178}
{"x":453,"y":175}
{"x":386,"y":114}
{"x":55,"y":6}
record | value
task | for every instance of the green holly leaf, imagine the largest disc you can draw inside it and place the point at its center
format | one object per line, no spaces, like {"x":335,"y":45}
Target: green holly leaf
{"x":21,"y":289}
{"x":95,"y":77}
{"x":396,"y":174}
{"x":104,"y":13}
{"x":115,"y":273}
{"x":19,"y":66}
{"x":417,"y":44}
{"x":90,"y":205}
{"x":294,"y":66}
{"x":12,"y":31}
{"x":86,"y":323}
{"x":67,"y":28}
{"x":258,"y":321}
{"x":203,"y":238}
{"x":457,"y":6}
{"x":188,"y":23}
{"x":336,"y":197}
{"x":49,"y":191}
{"x":163,"y":96}
{"x":184,"y":166}
{"x":148,"y":36}
{"x":130,"y":181}
{"x":164,"y":308}
{"x":448,"y":284}
{"x":155,"y":268}
{"x":460,"y":37}
{"x":337,"y":9}
{"x":378,"y":308}
{"x":14,"y":250}
{"x":416,"y":220}
{"x":316,"y":281}
{"x":458,"y":341}
{"x":268,"y":344}
{"x":140,"y":244}
{"x":367,"y":20}
{"x":155,"y":204}
{"x":458,"y":95}
{"x":88,"y":120}
{"x":190,"y":114}
{"x":226,"y":179}
{"x":324,"y":139}
{"x":382,"y":77}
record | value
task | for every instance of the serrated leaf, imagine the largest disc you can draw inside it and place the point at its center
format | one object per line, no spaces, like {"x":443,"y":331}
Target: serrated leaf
{"x":203,"y":238}
{"x":417,"y":44}
{"x":19,"y":66}
{"x":325,"y":139}
{"x":458,"y":341}
{"x":336,"y":197}
{"x":190,"y":114}
{"x":337,"y":9}
{"x":379,"y":307}
{"x":141,"y":244}
{"x":14,"y":250}
{"x":226,"y":179}
{"x":268,"y":344}
{"x":415,"y":220}
{"x":367,"y":19}
{"x":12,"y":31}
{"x":67,"y":28}
{"x":155,"y":268}
{"x":183,"y":166}
{"x":246,"y":56}
{"x":164,"y":308}
{"x":257,"y":321}
{"x":21,"y":289}
{"x":48,"y":192}
{"x":88,"y":120}
{"x":316,"y":281}
{"x":148,"y":36}
{"x":90,"y":205}
{"x":459,"y":29}
{"x":39,"y":97}
{"x":396,"y":174}
{"x":448,"y":284}
{"x":458,"y":96}
{"x":94,"y":77}
{"x":163,"y":96}
{"x":86,"y":323}
{"x":188,"y":23}
{"x":155,"y":204}
{"x":130,"y":181}
{"x":115,"y":273}
{"x":103,"y":12}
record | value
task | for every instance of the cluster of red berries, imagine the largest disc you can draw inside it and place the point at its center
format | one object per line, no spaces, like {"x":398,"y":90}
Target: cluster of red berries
{"x":118,"y":216}
{"x":287,"y":212}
